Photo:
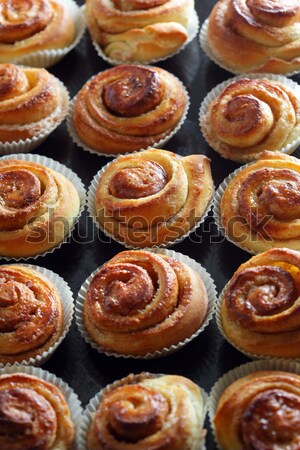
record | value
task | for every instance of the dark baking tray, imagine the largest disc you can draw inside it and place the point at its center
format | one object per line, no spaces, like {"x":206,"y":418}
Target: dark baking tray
{"x":207,"y":357}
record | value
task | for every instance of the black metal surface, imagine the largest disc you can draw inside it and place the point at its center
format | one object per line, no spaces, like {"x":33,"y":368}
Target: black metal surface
{"x":206,"y":358}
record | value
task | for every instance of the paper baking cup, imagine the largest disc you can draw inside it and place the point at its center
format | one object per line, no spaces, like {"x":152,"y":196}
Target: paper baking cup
{"x":208,"y":51}
{"x":48,"y":124}
{"x":94,"y":403}
{"x":74,"y":135}
{"x":68,"y":307}
{"x":211,"y":294}
{"x":47,"y":58}
{"x":93,"y":213}
{"x":70,"y":175}
{"x":192,"y":31}
{"x":214,"y":93}
{"x":70,"y":396}
{"x":240,"y":372}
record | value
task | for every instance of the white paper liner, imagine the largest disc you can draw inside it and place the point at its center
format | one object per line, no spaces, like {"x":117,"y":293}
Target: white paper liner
{"x":207,"y":50}
{"x":93,"y":213}
{"x":47,"y":58}
{"x":242,"y":371}
{"x":94,"y":403}
{"x":48,"y":124}
{"x":75,"y":137}
{"x":211,"y":295}
{"x":192,"y":31}
{"x":70,"y":396}
{"x":216,"y":91}
{"x":70,"y":175}
{"x":68,"y":308}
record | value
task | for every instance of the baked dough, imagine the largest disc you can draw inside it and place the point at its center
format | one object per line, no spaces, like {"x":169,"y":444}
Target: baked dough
{"x":260,"y":309}
{"x":128,"y":108}
{"x":146,"y":411}
{"x":252,"y":115}
{"x":32,"y":101}
{"x":260,"y":208}
{"x":153,"y":197}
{"x":139,"y":30}
{"x":38,"y":207}
{"x":28,"y":26}
{"x":34,"y":414}
{"x":140,"y":302}
{"x":260,"y":411}
{"x":256,"y":35}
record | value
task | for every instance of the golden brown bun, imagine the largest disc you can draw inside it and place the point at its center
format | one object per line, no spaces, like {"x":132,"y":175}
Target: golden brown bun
{"x":128,"y":107}
{"x":256,"y":35}
{"x":261,"y":305}
{"x":28,"y":26}
{"x":31,"y":101}
{"x":140,"y":302}
{"x":252,"y":115}
{"x":38,"y":207}
{"x":260,"y":411}
{"x":153,"y":197}
{"x":34,"y":414}
{"x":260,"y":208}
{"x":31,"y":314}
{"x":139,"y":31}
{"x":145,"y":411}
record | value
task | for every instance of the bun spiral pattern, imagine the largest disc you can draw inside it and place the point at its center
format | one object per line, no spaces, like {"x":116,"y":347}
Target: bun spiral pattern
{"x":32,"y":101}
{"x":260,"y":411}
{"x":145,"y":411}
{"x":139,"y":30}
{"x":38,"y":207}
{"x":252,"y":115}
{"x":260,"y":207}
{"x":31,"y":314}
{"x":141,"y":302}
{"x":128,"y":107}
{"x":256,"y":35}
{"x":153,"y":197}
{"x":28,"y":26}
{"x":260,"y":305}
{"x":34,"y":414}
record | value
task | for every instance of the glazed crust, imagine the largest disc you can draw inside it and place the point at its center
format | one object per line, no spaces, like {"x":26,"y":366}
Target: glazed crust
{"x":143,"y":411}
{"x":37,"y":214}
{"x":35,"y":414}
{"x":140,"y":302}
{"x":256,"y":35}
{"x":128,"y":108}
{"x":28,"y":26}
{"x":182,"y":189}
{"x":270,"y":397}
{"x":252,"y":115}
{"x":260,"y":306}
{"x":138,"y":31}
{"x":260,"y":206}
{"x":31,"y":101}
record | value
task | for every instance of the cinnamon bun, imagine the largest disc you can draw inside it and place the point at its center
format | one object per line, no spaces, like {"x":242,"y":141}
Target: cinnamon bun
{"x":32,"y":102}
{"x":256,"y":35}
{"x":34,"y":414}
{"x":128,"y":108}
{"x":153,"y":197}
{"x":141,"y":302}
{"x":260,"y":411}
{"x":139,"y":30}
{"x":147,"y":411}
{"x":260,"y":305}
{"x":260,"y":207}
{"x":252,"y":115}
{"x":28,"y":26}
{"x":37,"y":209}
